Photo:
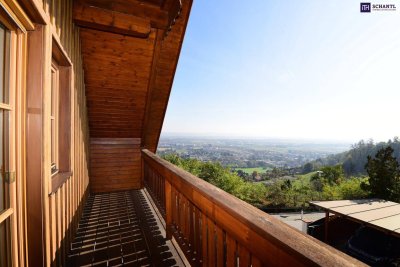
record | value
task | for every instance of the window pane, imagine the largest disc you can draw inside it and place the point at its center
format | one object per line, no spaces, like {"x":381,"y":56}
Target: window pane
{"x":53,"y":142}
{"x":54,"y":118}
{"x":4,"y":63}
{"x":5,"y":257}
{"x":53,"y":77}
{"x":2,"y":41}
{"x":4,"y":194}
{"x":7,"y":67}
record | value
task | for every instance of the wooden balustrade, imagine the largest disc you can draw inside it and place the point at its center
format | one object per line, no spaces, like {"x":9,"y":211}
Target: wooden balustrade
{"x":155,"y":184}
{"x":214,"y":228}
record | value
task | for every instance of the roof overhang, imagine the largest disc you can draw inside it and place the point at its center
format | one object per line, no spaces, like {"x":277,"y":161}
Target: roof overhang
{"x":130,"y":51}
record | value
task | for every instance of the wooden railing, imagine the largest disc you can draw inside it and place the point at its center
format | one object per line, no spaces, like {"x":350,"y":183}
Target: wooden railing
{"x":214,"y":228}
{"x":155,"y":184}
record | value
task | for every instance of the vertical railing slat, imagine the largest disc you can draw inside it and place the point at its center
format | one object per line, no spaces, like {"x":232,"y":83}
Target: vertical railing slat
{"x":197,"y":233}
{"x":220,"y":247}
{"x":211,"y":242}
{"x":255,"y":262}
{"x":230,"y":251}
{"x":192,"y":236}
{"x":204,"y":247}
{"x":168,"y":208}
{"x":244,"y":256}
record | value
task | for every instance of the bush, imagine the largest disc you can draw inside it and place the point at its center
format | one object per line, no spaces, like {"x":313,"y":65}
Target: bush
{"x":329,"y":184}
{"x":223,"y":178}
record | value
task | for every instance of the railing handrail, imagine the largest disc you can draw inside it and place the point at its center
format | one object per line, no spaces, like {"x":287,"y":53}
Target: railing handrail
{"x":260,"y":232}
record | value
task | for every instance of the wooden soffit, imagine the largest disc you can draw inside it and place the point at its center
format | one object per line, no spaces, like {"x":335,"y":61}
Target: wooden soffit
{"x":130,"y":52}
{"x":160,"y":13}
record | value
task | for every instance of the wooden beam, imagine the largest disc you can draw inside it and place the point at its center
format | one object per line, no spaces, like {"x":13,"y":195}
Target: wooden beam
{"x":33,"y":10}
{"x":13,"y":7}
{"x":158,"y":17}
{"x":58,"y":180}
{"x":173,"y":7}
{"x":161,"y":83}
{"x":154,"y":64}
{"x":115,"y":141}
{"x":34,"y":147}
{"x":6,"y":214}
{"x":111,"y":21}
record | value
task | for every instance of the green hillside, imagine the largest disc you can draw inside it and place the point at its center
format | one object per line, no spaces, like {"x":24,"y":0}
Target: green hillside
{"x":354,"y":160}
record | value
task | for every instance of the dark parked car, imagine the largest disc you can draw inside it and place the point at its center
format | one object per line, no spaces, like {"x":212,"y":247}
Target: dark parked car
{"x":374,"y":247}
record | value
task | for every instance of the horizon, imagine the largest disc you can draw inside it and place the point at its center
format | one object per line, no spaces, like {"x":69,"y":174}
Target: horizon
{"x":214,"y":136}
{"x":243,"y":137}
{"x":310,"y":70}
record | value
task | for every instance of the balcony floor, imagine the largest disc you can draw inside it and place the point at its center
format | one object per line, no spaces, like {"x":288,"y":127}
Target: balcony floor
{"x":121,"y":229}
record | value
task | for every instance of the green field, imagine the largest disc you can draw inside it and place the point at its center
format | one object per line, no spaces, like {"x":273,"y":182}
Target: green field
{"x":307,"y":176}
{"x":303,"y":179}
{"x":251,"y":170}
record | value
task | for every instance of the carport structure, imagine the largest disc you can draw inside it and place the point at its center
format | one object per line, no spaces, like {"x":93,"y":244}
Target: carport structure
{"x":378,"y":213}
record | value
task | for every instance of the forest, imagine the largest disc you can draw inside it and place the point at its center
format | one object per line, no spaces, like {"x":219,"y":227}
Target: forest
{"x":353,"y":161}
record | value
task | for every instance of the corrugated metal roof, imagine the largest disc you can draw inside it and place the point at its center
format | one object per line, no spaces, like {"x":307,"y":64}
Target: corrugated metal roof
{"x":376,"y":212}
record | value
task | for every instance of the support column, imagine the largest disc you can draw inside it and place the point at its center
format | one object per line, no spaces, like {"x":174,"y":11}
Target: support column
{"x":326,"y":225}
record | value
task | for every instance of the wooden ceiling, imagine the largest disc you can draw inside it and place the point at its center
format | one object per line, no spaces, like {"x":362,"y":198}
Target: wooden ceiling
{"x":130,"y":51}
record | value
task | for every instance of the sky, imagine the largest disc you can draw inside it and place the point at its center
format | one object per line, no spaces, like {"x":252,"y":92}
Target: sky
{"x":306,"y":69}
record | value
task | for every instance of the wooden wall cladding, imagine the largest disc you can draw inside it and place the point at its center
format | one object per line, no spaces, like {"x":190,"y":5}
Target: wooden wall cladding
{"x":120,"y":89}
{"x":115,"y":164}
{"x":60,"y":209}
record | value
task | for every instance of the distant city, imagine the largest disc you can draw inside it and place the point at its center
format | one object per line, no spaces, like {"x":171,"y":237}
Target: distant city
{"x":249,"y":153}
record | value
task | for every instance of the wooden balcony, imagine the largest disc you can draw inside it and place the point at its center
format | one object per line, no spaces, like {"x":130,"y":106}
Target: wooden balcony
{"x":178,"y":219}
{"x":82,"y":191}
{"x":210,"y":226}
{"x":121,"y":229}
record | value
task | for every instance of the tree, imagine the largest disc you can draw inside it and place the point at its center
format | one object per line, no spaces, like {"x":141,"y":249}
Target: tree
{"x":332,"y":174}
{"x":286,"y":185}
{"x":308,"y":167}
{"x":241,"y":174}
{"x":222,"y":177}
{"x":255,"y":175}
{"x":327,"y":176}
{"x":383,"y":171}
{"x":316,"y":181}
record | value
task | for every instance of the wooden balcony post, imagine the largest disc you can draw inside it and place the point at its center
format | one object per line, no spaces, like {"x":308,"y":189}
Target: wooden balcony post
{"x":168,"y":210}
{"x":142,"y":171}
{"x":326,"y":226}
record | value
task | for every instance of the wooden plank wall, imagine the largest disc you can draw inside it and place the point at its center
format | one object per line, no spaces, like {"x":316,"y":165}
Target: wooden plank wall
{"x":67,"y":203}
{"x":62,"y":208}
{"x":117,"y":71}
{"x":115,"y":164}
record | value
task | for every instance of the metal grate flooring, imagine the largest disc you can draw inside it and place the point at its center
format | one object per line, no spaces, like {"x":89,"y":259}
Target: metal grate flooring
{"x":120,"y":229}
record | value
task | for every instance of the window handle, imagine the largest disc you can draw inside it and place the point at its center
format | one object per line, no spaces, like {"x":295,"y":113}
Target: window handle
{"x":9,"y":177}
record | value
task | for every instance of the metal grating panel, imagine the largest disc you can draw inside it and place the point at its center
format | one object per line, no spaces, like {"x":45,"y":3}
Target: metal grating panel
{"x":119,"y":229}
